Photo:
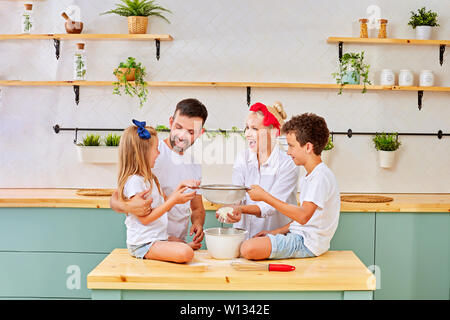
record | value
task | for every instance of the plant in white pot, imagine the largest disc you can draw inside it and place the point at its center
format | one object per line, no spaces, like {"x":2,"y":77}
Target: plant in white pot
{"x":91,"y":150}
{"x":137,"y":12}
{"x":387,"y":145}
{"x":423,"y":22}
{"x":351,"y":70}
{"x":326,"y":152}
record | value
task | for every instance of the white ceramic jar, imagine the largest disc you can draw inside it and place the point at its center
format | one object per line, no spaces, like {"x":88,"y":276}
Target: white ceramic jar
{"x":426,"y":78}
{"x":405,"y":78}
{"x":387,"y":77}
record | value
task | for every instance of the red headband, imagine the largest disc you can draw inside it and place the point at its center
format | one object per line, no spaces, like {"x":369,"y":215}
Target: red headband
{"x":269,"y":118}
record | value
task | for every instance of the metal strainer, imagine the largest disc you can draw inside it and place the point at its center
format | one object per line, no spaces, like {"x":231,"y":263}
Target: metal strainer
{"x":223,"y":193}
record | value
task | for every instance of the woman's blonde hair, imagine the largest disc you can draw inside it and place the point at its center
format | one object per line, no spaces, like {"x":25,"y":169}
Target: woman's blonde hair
{"x":277,"y":110}
{"x":134,"y":158}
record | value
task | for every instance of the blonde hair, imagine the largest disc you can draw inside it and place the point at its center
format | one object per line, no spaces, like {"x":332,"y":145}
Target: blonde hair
{"x":277,"y":110}
{"x":134,"y":158}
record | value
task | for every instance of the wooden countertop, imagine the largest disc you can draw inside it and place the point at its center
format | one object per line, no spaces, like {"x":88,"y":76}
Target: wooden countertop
{"x":67,"y":198}
{"x":333,"y":271}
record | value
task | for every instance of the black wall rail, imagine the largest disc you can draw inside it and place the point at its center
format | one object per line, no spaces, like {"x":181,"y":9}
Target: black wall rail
{"x":349,"y":133}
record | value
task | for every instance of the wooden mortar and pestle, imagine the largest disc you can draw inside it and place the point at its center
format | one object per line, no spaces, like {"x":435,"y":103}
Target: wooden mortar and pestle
{"x":72,"y":26}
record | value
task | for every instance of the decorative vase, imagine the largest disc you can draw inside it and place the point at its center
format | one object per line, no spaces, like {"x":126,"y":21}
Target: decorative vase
{"x":386,"y":158}
{"x":137,"y":25}
{"x":423,"y":32}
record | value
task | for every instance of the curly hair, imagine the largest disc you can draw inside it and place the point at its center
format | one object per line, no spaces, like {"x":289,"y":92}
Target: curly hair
{"x":308,"y":127}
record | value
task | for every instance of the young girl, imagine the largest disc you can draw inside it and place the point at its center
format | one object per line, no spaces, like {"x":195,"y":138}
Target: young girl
{"x":147,"y":236}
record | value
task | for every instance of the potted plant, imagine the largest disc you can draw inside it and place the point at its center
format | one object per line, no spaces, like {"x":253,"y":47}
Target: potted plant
{"x":91,"y":150}
{"x":386,"y":144}
{"x":423,"y":21}
{"x":137,"y":12}
{"x":327,"y":151}
{"x":351,"y":70}
{"x":130,"y":77}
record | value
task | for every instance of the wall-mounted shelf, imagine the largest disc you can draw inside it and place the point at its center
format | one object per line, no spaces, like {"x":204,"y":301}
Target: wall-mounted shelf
{"x":440,"y":43}
{"x":89,"y":36}
{"x":76,"y":85}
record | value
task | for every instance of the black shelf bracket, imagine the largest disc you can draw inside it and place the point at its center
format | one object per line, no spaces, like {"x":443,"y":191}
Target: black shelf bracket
{"x":57,"y":44}
{"x":158,"y":48}
{"x":341,"y":45}
{"x":349,"y":133}
{"x":249,"y":92}
{"x":441,"y":53}
{"x":76,"y":89}
{"x":419,"y":98}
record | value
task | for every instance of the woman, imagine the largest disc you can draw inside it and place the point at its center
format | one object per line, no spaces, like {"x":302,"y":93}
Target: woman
{"x":264,"y":163}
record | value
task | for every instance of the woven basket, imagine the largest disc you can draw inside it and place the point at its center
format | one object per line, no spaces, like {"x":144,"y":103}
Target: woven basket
{"x":95,"y":192}
{"x":137,"y":25}
{"x":366,"y":198}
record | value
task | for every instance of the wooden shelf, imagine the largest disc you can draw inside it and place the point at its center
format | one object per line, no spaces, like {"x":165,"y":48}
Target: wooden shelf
{"x":86,"y":36}
{"x":225,"y":84}
{"x":440,"y":43}
{"x":388,"y":41}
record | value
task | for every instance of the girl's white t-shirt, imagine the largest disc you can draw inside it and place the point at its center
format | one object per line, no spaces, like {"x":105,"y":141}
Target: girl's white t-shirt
{"x":138,"y":233}
{"x":320,"y":187}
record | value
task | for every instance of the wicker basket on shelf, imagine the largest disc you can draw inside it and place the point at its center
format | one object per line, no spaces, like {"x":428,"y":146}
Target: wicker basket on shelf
{"x":137,"y":25}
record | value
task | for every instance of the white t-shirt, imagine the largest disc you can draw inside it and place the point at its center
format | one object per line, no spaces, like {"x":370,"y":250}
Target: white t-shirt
{"x":321,"y":188}
{"x":278,"y":176}
{"x":172,"y":168}
{"x":138,"y":233}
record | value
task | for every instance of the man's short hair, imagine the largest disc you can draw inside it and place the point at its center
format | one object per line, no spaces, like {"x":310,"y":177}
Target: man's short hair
{"x":192,"y":108}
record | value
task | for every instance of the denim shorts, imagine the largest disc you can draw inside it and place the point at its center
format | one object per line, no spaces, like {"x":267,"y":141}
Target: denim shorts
{"x":288,"y":246}
{"x":141,"y":250}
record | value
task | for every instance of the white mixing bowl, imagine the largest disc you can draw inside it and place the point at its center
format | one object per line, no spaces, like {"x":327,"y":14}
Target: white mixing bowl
{"x":224,"y":243}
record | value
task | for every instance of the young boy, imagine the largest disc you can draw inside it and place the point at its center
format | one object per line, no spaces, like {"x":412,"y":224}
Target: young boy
{"x":316,"y":219}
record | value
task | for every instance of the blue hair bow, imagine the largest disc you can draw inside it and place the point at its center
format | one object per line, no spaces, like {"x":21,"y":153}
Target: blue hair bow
{"x":142,"y":132}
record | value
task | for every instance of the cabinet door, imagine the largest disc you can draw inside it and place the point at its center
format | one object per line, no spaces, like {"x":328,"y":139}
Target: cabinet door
{"x":413,"y":254}
{"x":356,"y":232}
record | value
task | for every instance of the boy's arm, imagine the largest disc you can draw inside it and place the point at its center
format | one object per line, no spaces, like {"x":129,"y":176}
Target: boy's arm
{"x":137,"y":205}
{"x":301,"y":214}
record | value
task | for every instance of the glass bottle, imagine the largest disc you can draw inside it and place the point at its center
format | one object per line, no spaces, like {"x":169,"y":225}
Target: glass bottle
{"x":79,"y":63}
{"x":27,"y":18}
{"x":382,"y":31}
{"x":363,"y":28}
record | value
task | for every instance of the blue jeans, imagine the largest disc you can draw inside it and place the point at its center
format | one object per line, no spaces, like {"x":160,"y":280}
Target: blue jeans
{"x":141,"y":250}
{"x":290,"y":245}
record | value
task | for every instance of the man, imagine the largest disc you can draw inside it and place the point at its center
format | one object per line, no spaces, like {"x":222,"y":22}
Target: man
{"x":173,"y":166}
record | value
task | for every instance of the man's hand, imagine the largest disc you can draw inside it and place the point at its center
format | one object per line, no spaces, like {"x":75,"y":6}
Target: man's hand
{"x":256,"y":193}
{"x":140,"y":204}
{"x":235,"y":216}
{"x":198,"y":231}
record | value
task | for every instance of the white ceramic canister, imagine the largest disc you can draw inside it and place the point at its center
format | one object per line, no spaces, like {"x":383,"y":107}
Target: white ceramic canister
{"x":387,"y":77}
{"x":426,"y":78}
{"x":405,"y":78}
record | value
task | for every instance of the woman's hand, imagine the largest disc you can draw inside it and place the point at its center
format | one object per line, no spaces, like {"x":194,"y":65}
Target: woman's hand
{"x":233,"y":217}
{"x":179,"y":197}
{"x":256,"y":193}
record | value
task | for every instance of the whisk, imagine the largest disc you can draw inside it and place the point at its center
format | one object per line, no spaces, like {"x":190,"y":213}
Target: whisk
{"x":255,"y":266}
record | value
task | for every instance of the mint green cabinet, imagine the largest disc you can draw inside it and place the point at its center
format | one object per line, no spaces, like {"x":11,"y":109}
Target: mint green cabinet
{"x":356,"y":232}
{"x":413,"y":255}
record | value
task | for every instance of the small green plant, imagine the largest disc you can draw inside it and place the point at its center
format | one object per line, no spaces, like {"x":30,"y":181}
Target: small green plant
{"x":386,"y":141}
{"x":142,"y":8}
{"x":138,"y":88}
{"x":329,"y":145}
{"x":162,"y":128}
{"x":112,"y":140}
{"x":91,"y":140}
{"x":423,"y":18}
{"x":352,"y":63}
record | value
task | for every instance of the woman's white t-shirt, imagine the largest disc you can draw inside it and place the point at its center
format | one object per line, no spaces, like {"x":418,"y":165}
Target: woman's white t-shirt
{"x":138,"y":233}
{"x":320,"y":187}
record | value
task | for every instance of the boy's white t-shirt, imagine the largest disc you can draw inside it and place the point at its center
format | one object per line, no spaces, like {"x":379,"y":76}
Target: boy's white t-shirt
{"x":138,"y":233}
{"x":171,"y":168}
{"x":320,"y":187}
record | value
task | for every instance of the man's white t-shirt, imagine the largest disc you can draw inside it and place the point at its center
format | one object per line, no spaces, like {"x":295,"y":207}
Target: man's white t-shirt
{"x":320,"y":187}
{"x":138,"y":233}
{"x":171,"y":168}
